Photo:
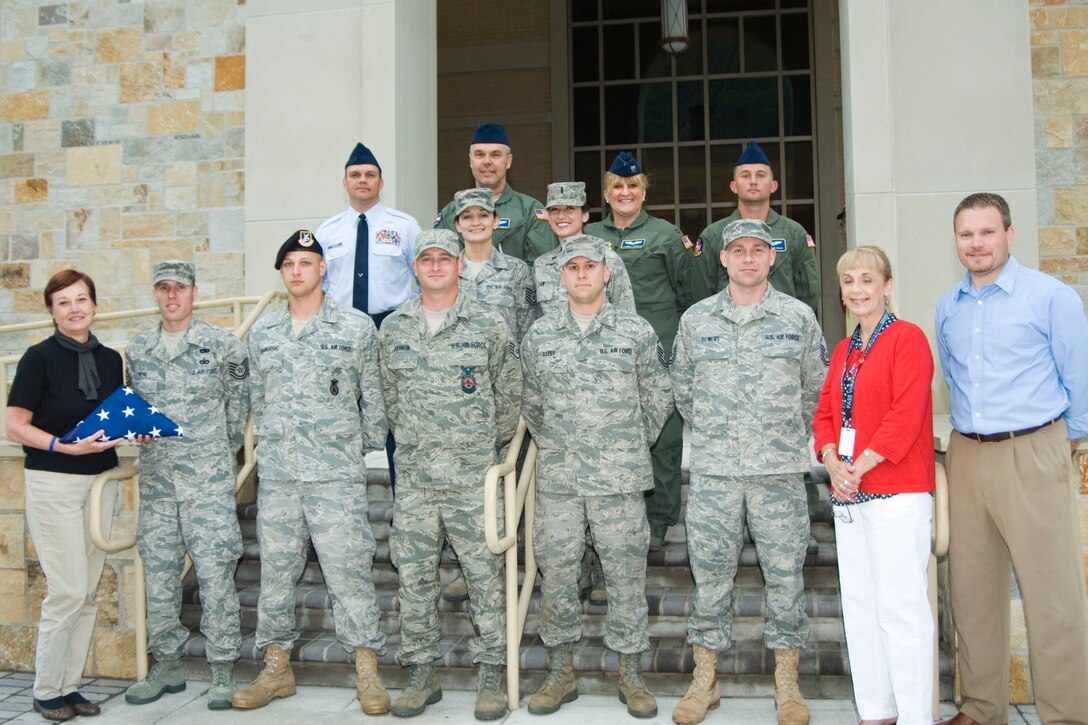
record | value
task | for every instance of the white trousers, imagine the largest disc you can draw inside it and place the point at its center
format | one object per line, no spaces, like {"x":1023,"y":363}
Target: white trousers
{"x":58,"y":518}
{"x":883,"y":551}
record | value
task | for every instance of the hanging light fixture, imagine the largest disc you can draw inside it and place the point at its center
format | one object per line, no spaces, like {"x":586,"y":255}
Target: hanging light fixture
{"x":674,"y":26}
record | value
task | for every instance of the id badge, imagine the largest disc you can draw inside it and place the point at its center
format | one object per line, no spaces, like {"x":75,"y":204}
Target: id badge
{"x":846,"y":443}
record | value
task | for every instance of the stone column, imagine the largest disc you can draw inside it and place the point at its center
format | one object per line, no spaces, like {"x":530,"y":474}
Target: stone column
{"x":322,"y":75}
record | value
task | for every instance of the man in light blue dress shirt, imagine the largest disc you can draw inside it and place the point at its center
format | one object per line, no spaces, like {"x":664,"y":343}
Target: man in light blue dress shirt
{"x":390,"y":247}
{"x":1013,"y":344}
{"x":384,"y":280}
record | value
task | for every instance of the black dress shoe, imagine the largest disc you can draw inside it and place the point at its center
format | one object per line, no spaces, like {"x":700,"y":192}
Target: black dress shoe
{"x":55,"y":709}
{"x":81,"y":705}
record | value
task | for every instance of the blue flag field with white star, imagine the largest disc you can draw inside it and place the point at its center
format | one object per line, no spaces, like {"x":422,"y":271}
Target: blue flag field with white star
{"x":124,"y":414}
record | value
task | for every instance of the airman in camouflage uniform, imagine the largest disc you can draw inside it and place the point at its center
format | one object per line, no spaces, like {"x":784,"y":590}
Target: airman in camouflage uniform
{"x":453,"y":398}
{"x":655,"y":254}
{"x":567,"y":215}
{"x":749,"y":364}
{"x":198,"y":376}
{"x":317,"y":401}
{"x":520,"y":229}
{"x":499,"y":281}
{"x":596,"y":396}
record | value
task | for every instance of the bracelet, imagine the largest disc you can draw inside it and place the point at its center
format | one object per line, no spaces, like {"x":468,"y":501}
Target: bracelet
{"x":52,"y":443}
{"x":825,"y":449}
{"x":869,"y":454}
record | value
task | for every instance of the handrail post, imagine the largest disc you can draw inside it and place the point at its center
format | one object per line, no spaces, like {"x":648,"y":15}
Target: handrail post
{"x":938,"y":548}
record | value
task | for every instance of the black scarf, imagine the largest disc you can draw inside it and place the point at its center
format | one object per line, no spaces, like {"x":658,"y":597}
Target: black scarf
{"x":88,"y":372}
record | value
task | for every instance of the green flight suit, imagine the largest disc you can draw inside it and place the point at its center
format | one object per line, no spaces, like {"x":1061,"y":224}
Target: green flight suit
{"x":523,"y":231}
{"x":795,"y":271}
{"x":655,"y":254}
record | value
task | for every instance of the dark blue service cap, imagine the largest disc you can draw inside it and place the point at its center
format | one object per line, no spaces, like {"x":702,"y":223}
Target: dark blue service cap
{"x":362,"y":155}
{"x":753,"y":154}
{"x":625,"y":164}
{"x":490,"y":132}
{"x":301,"y":241}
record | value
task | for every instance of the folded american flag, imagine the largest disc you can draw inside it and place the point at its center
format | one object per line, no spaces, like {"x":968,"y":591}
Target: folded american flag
{"x":124,"y":415}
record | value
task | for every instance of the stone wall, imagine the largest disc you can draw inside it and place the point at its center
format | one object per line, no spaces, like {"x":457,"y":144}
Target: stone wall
{"x":121,"y":144}
{"x":1059,"y":65}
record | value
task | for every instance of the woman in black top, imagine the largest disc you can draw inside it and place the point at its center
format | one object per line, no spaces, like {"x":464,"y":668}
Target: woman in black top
{"x":58,"y":382}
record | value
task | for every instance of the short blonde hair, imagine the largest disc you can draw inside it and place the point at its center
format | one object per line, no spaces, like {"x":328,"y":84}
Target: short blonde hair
{"x":868,"y":256}
{"x":610,"y":179}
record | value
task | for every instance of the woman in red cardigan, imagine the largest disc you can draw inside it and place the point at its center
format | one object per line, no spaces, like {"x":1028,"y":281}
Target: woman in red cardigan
{"x":874,"y":433}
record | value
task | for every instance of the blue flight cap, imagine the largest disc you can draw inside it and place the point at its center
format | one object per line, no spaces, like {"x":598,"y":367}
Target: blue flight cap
{"x":490,"y":132}
{"x":753,"y":154}
{"x":625,"y":164}
{"x":362,"y":155}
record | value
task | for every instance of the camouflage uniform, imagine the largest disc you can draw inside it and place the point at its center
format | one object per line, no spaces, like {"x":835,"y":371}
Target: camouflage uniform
{"x":747,"y":383}
{"x":551,"y":295}
{"x":522,"y":231}
{"x":594,"y":401}
{"x":655,"y":254}
{"x":453,"y":400}
{"x":187,"y":483}
{"x":318,"y":407}
{"x":504,"y":284}
{"x":795,"y":271}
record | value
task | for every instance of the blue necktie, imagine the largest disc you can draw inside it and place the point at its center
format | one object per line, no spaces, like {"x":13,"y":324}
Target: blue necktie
{"x":359,"y":291}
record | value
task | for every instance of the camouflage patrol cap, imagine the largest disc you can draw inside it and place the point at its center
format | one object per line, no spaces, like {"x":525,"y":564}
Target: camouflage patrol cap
{"x":746,"y":229}
{"x":566,"y":193}
{"x":582,"y":245}
{"x":441,"y":238}
{"x":176,"y":270}
{"x":472,"y":197}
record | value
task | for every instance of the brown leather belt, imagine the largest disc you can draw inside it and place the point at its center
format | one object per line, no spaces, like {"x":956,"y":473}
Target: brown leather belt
{"x":1007,"y":435}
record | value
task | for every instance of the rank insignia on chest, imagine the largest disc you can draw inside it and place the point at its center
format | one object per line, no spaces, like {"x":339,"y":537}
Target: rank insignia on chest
{"x":778,"y":245}
{"x":468,"y":380}
{"x":632,"y":244}
{"x":504,"y":223}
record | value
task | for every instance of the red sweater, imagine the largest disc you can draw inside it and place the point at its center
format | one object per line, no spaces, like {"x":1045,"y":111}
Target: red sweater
{"x":893,"y":409}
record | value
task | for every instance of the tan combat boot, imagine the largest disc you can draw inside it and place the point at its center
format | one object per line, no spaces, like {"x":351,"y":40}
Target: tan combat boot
{"x":633,"y":692}
{"x":423,"y":689}
{"x":275,"y":680}
{"x":490,"y":693}
{"x":704,"y":693}
{"x":791,"y":706}
{"x":559,"y":688}
{"x":368,"y":683}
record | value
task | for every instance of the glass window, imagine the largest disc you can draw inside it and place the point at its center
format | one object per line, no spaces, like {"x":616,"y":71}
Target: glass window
{"x":794,"y":41}
{"x":585,"y":65}
{"x":723,"y":45}
{"x":654,"y":61}
{"x":760,"y":43}
{"x":743,"y":107}
{"x":691,"y":166}
{"x":588,"y":167}
{"x":659,"y":167}
{"x":619,"y":52}
{"x":690,"y":111}
{"x":586,"y":112}
{"x":638,"y":113}
{"x":798,"y":172}
{"x":797,"y":106}
{"x":630,"y":9}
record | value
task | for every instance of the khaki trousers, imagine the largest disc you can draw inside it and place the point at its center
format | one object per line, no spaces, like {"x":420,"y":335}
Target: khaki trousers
{"x":59,"y":521}
{"x":1013,"y":504}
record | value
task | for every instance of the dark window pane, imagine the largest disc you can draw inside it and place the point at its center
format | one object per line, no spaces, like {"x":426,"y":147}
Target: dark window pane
{"x":584,"y":60}
{"x":583,"y":10}
{"x":690,"y":111}
{"x":760,"y":44}
{"x":691,"y":165}
{"x":690,"y":62}
{"x":693,"y":222}
{"x":732,"y":6}
{"x":587,"y":116}
{"x":666,"y":213}
{"x":797,"y":172}
{"x":657,"y":163}
{"x":795,"y":41}
{"x":622,"y":9}
{"x":743,"y":108}
{"x":722,"y":161}
{"x":587,"y":168}
{"x":723,"y":45}
{"x":803,"y":214}
{"x":654,"y":61}
{"x":794,"y":3}
{"x":619,"y":52}
{"x":639,"y":113}
{"x":797,"y":106}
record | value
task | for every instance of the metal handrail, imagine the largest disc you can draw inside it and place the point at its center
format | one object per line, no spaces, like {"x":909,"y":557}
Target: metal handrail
{"x":131,"y":471}
{"x":518,"y":498}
